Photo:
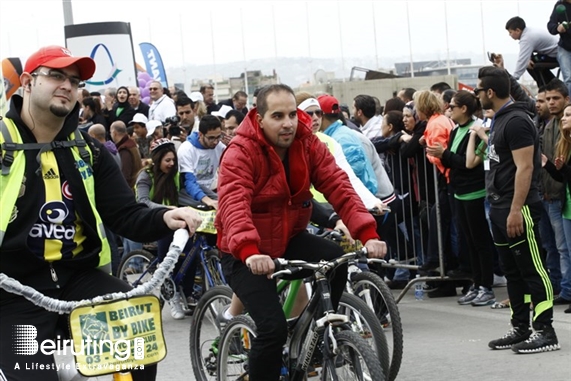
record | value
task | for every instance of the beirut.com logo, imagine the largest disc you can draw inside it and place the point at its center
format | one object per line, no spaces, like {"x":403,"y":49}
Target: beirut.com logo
{"x":25,"y":343}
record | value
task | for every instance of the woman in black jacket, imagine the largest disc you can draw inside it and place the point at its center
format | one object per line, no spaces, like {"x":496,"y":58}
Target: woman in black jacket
{"x":121,"y":110}
{"x":469,"y":194}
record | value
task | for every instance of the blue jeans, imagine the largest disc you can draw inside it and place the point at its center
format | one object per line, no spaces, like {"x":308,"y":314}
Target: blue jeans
{"x":566,"y":264}
{"x":550,"y":247}
{"x":554,"y":209}
{"x":564,"y":58}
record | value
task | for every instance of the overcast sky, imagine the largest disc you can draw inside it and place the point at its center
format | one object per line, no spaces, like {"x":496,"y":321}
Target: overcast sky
{"x":212,"y":32}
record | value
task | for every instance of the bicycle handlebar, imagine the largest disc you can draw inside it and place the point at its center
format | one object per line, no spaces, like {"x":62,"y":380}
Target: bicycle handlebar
{"x":11,"y":285}
{"x":296,"y":265}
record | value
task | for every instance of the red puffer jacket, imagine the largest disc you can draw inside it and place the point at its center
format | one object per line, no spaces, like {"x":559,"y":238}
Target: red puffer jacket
{"x":258,"y":211}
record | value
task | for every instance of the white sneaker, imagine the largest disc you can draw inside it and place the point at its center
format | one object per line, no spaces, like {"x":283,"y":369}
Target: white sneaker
{"x":177,"y":311}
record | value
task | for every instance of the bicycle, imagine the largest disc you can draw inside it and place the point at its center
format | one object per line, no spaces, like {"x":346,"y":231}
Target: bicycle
{"x":206,"y":328}
{"x":345,"y":353}
{"x":370,"y":287}
{"x":69,"y":373}
{"x":139,"y":265}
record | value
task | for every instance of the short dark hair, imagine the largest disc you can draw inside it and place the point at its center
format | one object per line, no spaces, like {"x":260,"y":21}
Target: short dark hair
{"x":204,"y":87}
{"x":408,"y":93}
{"x":183,"y":101}
{"x":236,"y":114}
{"x":447,"y":95}
{"x":240,"y":94}
{"x":366,"y":104}
{"x":494,"y":78}
{"x":394,"y":104}
{"x":557,"y":85}
{"x":440,"y":87}
{"x":515,"y":23}
{"x":208,"y":123}
{"x":262,"y":104}
{"x":541,"y":89}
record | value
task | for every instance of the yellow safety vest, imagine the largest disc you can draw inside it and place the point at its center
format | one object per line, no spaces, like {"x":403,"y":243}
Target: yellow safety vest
{"x":13,"y":169}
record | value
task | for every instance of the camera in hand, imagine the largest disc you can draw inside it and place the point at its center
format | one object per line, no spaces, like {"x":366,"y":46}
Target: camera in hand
{"x":172,"y":126}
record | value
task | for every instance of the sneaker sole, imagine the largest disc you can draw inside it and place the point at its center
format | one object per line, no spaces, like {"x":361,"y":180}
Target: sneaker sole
{"x":482,"y":304}
{"x":465,"y":302}
{"x":548,"y":348}
{"x":497,"y":347}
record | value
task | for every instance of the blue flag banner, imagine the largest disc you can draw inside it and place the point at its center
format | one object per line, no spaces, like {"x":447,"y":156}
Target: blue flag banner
{"x":154,"y":63}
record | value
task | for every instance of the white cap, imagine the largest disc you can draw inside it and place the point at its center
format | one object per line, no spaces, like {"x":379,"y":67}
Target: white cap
{"x":152,"y":126}
{"x":139,"y":118}
{"x":222,"y":112}
{"x":195,"y":96}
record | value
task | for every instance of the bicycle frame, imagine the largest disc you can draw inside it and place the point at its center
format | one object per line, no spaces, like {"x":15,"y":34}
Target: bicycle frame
{"x":305,"y":337}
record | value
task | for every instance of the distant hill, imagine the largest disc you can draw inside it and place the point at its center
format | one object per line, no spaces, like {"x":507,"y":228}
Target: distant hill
{"x":296,"y":71}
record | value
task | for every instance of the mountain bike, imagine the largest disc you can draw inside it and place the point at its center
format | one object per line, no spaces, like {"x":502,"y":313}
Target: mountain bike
{"x":103,"y":334}
{"x":346,"y":355}
{"x":370,"y":287}
{"x":139,"y":265}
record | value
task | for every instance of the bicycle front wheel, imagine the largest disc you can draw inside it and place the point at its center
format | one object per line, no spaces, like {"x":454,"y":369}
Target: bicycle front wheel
{"x":364,"y":322}
{"x":136,"y":267}
{"x":234,"y":349}
{"x":205,"y":332}
{"x":370,"y":288}
{"x":352,"y":361}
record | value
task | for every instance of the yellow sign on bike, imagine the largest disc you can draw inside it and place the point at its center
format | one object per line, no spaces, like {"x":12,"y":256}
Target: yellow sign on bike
{"x":208,"y":217}
{"x":117,"y":336}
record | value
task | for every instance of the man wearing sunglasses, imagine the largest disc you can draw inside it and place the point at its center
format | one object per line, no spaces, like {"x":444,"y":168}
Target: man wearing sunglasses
{"x":59,"y":187}
{"x":162,"y":106}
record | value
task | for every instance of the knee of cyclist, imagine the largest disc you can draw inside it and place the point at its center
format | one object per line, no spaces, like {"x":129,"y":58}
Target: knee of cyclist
{"x":276,"y":330}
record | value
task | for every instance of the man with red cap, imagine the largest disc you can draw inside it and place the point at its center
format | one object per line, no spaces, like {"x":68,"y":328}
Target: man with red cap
{"x":51,"y":233}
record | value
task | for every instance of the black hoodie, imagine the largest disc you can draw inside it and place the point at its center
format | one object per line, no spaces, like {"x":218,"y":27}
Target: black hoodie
{"x":512,"y":129}
{"x":115,"y":202}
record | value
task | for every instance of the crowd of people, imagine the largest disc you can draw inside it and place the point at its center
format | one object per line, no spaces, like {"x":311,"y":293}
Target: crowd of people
{"x":479,"y":176}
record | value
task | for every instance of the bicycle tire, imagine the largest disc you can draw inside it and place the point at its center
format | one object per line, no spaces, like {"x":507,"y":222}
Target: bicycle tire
{"x":351,"y":347}
{"x":384,"y":306}
{"x":203,"y":364}
{"x":128,"y":262}
{"x":234,"y":348}
{"x":366,"y":325}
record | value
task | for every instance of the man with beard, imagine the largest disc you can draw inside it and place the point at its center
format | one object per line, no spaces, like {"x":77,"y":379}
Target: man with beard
{"x":512,"y":187}
{"x":364,"y":112}
{"x":55,"y":199}
{"x":265,"y":206}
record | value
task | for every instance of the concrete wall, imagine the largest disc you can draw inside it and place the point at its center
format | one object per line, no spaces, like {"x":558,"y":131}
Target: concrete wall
{"x":380,"y":88}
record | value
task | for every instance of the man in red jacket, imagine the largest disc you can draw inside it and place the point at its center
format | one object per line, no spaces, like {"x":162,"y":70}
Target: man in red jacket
{"x":264,"y":207}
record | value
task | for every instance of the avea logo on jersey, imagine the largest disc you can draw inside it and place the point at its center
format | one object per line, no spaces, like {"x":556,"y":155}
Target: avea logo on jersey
{"x":53,"y":214}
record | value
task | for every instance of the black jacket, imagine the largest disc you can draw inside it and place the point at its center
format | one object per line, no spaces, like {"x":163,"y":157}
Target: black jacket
{"x":115,"y":203}
{"x":462,"y":179}
{"x":230,"y":103}
{"x":555,"y":19}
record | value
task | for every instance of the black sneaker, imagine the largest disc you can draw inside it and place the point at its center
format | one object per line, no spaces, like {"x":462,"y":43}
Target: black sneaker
{"x":515,"y":335}
{"x":543,"y":340}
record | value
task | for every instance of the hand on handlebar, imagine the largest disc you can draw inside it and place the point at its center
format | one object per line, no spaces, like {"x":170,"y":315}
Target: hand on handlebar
{"x":340,"y":226}
{"x":376,"y":248}
{"x":181,"y":218}
{"x":260,"y":264}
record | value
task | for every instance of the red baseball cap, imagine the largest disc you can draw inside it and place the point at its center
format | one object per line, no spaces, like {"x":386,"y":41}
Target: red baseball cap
{"x":329,"y":104}
{"x":57,"y":57}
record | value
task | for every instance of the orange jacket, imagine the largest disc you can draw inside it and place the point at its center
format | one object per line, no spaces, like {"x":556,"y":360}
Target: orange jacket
{"x":438,"y":131}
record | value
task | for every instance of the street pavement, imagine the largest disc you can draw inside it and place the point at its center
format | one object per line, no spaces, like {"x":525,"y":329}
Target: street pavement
{"x":442,"y":341}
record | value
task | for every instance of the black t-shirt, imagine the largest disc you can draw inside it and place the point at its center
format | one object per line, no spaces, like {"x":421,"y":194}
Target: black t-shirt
{"x":512,"y":129}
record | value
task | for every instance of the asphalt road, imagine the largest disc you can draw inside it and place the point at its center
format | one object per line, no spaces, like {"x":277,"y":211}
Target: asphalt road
{"x":442,"y":341}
